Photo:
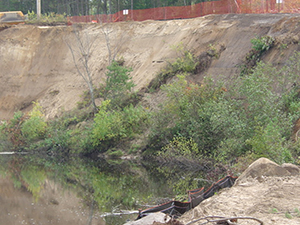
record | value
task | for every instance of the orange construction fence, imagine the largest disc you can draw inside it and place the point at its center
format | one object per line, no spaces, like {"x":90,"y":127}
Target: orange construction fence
{"x":269,"y":6}
{"x":196,"y":10}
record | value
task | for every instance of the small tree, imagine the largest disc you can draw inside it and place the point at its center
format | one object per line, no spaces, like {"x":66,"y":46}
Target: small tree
{"x":81,"y":53}
{"x":118,"y":81}
{"x":82,"y":50}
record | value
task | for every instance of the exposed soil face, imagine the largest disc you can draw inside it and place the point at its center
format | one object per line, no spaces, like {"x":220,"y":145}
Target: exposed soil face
{"x":265,"y":191}
{"x":36,"y":64}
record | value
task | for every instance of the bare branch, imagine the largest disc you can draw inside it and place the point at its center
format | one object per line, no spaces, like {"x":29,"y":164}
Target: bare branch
{"x":81,"y":53}
{"x":228,"y":220}
{"x":115,"y":48}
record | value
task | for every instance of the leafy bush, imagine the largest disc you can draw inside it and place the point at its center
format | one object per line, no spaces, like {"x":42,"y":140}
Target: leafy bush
{"x":262,"y":44}
{"x":57,"y":142}
{"x":47,"y":18}
{"x":180,"y":146}
{"x":12,"y":130}
{"x":22,"y":129}
{"x":268,"y":142}
{"x":4,"y":139}
{"x":34,"y":127}
{"x":107,"y":125}
{"x":184,"y":63}
{"x":67,"y":134}
{"x":253,"y":115}
{"x":259,"y":46}
{"x":186,"y":113}
{"x":115,"y":125}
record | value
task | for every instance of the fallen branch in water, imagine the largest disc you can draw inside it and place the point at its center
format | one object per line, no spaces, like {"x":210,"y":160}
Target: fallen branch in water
{"x":122,"y":212}
{"x":224,"y":220}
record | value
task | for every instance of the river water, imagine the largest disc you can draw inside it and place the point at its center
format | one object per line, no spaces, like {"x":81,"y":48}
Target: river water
{"x":43,"y":190}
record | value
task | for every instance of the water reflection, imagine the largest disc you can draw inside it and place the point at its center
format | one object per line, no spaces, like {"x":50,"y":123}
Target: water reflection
{"x":35,"y":190}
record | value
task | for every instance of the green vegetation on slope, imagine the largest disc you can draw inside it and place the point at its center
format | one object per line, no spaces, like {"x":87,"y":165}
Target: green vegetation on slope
{"x":252,"y":116}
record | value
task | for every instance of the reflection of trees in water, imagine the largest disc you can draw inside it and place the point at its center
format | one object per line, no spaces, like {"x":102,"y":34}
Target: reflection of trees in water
{"x":104,"y":186}
{"x":24,"y":174}
{"x":182,"y":174}
{"x":34,"y":177}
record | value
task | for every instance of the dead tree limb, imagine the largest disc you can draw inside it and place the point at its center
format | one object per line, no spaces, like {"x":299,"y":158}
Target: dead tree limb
{"x":220,"y":219}
{"x":81,"y":50}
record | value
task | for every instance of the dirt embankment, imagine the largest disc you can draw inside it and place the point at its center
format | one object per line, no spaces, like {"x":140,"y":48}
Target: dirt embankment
{"x":266,"y":191}
{"x":36,"y":64}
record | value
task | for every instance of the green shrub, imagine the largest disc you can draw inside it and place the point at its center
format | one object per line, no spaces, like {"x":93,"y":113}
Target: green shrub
{"x":259,"y":46}
{"x":115,"y":125}
{"x":262,"y":44}
{"x":12,"y":130}
{"x":4,"y":138}
{"x":34,"y":127}
{"x":57,"y":141}
{"x":107,"y":125}
{"x":253,"y":115}
{"x":268,"y":142}
{"x":185,"y":63}
{"x":67,"y":134}
{"x":186,"y":114}
{"x":47,"y":18}
{"x":180,"y":146}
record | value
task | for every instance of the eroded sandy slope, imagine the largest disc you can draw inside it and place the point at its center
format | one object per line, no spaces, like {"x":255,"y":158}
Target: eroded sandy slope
{"x":36,"y":64}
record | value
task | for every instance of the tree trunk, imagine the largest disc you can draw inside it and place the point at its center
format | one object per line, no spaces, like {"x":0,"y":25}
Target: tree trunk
{"x":105,"y":7}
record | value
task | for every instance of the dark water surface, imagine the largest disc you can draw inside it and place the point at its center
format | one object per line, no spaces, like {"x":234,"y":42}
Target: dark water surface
{"x":38,"y":190}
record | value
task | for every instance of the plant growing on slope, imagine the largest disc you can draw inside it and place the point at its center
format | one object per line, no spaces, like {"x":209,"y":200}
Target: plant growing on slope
{"x":12,"y":130}
{"x":115,"y":125}
{"x":24,"y":129}
{"x":81,"y":50}
{"x":259,"y":47}
{"x":186,"y":113}
{"x":180,"y":146}
{"x":262,"y":44}
{"x":35,"y":126}
{"x":183,"y":64}
{"x":253,"y":115}
{"x":118,"y":81}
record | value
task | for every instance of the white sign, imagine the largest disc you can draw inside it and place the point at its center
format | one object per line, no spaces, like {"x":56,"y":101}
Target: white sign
{"x":125,"y":12}
{"x":279,"y":1}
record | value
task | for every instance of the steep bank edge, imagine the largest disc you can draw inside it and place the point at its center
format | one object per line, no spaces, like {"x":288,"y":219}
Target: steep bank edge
{"x":36,"y":64}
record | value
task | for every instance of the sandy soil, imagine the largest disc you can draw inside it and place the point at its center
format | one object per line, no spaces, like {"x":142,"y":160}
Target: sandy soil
{"x":264,"y":191}
{"x":36,"y":64}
